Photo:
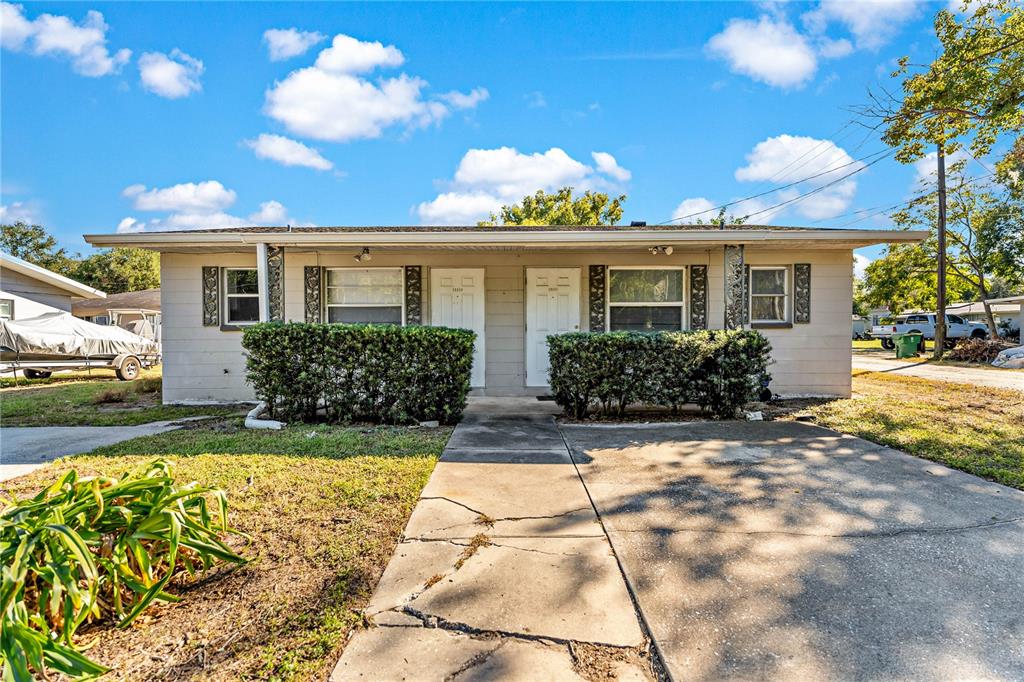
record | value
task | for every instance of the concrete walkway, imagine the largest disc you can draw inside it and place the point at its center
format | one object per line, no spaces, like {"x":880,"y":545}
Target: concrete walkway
{"x":503,"y":571}
{"x":995,"y":378}
{"x":24,"y":449}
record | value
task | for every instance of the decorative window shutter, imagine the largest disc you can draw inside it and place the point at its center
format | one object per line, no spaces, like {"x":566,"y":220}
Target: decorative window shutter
{"x":211,"y":296}
{"x":275,"y":282}
{"x":598,"y":285}
{"x":698,"y":297}
{"x":312,"y":278}
{"x":802,"y":293}
{"x":746,"y":294}
{"x":413,"y":295}
{"x":735,"y":287}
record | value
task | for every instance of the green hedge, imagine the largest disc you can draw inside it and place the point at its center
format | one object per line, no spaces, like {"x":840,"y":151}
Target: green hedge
{"x":354,"y":372}
{"x":716,"y":370}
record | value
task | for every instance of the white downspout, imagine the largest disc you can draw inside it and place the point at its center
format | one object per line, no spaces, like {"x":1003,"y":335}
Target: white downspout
{"x":263,"y":277}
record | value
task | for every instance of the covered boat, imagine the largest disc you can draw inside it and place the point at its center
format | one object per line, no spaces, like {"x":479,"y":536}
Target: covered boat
{"x":39,"y":345}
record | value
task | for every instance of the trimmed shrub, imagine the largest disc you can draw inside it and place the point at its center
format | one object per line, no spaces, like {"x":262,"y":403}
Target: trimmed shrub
{"x":717,"y":370}
{"x":359,"y":372}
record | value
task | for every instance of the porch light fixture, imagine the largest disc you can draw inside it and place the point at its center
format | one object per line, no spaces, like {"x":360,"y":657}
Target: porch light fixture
{"x":363,"y":256}
{"x":660,"y":250}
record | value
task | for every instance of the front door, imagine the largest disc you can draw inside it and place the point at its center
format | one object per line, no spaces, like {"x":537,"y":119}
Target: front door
{"x":457,"y":300}
{"x":552,"y":307}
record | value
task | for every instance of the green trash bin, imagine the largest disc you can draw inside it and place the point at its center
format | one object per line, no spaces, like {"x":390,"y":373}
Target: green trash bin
{"x":907,"y":344}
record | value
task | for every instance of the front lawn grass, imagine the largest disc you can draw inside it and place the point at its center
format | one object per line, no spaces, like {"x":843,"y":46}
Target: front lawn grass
{"x":324,"y":513}
{"x":972,"y":428}
{"x":78,"y":400}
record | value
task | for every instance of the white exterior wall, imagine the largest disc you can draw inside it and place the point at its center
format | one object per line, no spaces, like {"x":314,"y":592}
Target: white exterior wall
{"x":32,"y":297}
{"x":206,"y":363}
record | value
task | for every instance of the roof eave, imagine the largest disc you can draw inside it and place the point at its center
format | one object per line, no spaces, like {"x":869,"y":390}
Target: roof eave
{"x":75,"y":289}
{"x":604,"y":237}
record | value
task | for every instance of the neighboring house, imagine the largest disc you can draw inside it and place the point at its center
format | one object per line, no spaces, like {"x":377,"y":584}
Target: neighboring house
{"x":876,"y":315}
{"x":1002,"y":309}
{"x":513,"y":286}
{"x":27,"y":290}
{"x":860,"y":327}
{"x":136,"y":311}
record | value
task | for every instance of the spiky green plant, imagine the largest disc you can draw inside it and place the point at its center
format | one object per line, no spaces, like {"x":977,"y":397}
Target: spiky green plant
{"x":88,"y":548}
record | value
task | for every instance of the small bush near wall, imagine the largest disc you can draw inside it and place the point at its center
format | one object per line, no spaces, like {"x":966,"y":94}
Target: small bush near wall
{"x":716,"y":370}
{"x":374,"y":373}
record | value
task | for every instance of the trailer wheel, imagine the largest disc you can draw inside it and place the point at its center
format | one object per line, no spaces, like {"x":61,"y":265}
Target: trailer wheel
{"x":888,"y":344}
{"x":129,"y":369}
{"x":36,"y":374}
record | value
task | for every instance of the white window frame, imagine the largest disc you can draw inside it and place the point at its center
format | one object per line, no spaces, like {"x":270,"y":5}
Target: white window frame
{"x":227,"y":296}
{"x":785,"y":294}
{"x":682,"y":304}
{"x":10,"y":302}
{"x":328,"y":306}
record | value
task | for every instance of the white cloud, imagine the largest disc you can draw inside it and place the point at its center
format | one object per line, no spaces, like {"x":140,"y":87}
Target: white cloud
{"x":871,"y":22}
{"x":783,"y":160}
{"x":768,"y":50}
{"x":329,"y":101}
{"x":607,"y":164}
{"x":467,"y":100}
{"x":350,"y":55}
{"x":926,"y":168}
{"x":85,"y":44}
{"x":192,"y":197}
{"x":287,"y":152}
{"x":486,"y":179}
{"x":18,"y":211}
{"x":171,"y":76}
{"x":458,"y":208}
{"x":694,"y":209}
{"x":270,"y":213}
{"x":285,"y":43}
{"x":860,"y":264}
{"x":197,"y":206}
{"x":834,"y":49}
{"x":788,"y":158}
{"x":535,"y":100}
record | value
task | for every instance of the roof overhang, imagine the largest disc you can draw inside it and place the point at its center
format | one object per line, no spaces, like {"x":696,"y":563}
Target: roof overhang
{"x":77,"y":289}
{"x":602,"y":238}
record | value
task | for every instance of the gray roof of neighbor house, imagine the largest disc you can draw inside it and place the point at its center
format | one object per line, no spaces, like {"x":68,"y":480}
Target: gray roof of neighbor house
{"x":23,"y":267}
{"x":505,"y":236}
{"x":146,"y":299}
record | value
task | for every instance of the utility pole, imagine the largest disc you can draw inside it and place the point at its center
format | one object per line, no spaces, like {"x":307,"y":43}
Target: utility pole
{"x":940,"y":313}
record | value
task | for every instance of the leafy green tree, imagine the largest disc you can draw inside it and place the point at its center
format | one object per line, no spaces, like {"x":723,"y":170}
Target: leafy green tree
{"x":118,"y":270}
{"x":34,"y":244}
{"x":984,"y":237}
{"x":560,"y":208}
{"x":722,"y":219}
{"x":971,"y":95}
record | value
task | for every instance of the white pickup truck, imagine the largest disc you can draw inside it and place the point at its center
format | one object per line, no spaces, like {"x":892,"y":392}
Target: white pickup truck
{"x":924,"y":324}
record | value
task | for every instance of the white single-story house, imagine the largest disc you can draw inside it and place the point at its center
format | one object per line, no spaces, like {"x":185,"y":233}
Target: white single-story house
{"x":1007,"y":309}
{"x":513,"y":286}
{"x":27,"y":290}
{"x":136,"y":311}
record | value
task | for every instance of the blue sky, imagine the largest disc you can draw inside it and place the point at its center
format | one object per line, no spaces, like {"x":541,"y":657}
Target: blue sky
{"x":144,"y":116}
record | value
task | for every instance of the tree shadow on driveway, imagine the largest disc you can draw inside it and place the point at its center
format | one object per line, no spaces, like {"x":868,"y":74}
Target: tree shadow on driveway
{"x":783,"y":550}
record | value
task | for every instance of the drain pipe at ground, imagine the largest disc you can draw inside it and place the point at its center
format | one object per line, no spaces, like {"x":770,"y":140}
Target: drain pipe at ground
{"x":252,"y":420}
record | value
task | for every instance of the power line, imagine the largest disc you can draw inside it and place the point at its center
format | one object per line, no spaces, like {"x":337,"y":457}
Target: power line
{"x":883,"y":152}
{"x":778,"y":175}
{"x":801,"y":197}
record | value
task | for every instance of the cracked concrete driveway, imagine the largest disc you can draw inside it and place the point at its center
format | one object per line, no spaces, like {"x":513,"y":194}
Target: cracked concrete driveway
{"x":784,"y":551}
{"x":503,"y":571}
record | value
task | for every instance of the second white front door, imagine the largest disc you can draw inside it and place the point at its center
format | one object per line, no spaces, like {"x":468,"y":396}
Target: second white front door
{"x":552,"y":307}
{"x":457,"y":300}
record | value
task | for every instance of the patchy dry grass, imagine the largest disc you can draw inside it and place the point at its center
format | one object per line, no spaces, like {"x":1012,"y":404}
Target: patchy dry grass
{"x":78,"y":400}
{"x":324,"y":514}
{"x":972,"y":428}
